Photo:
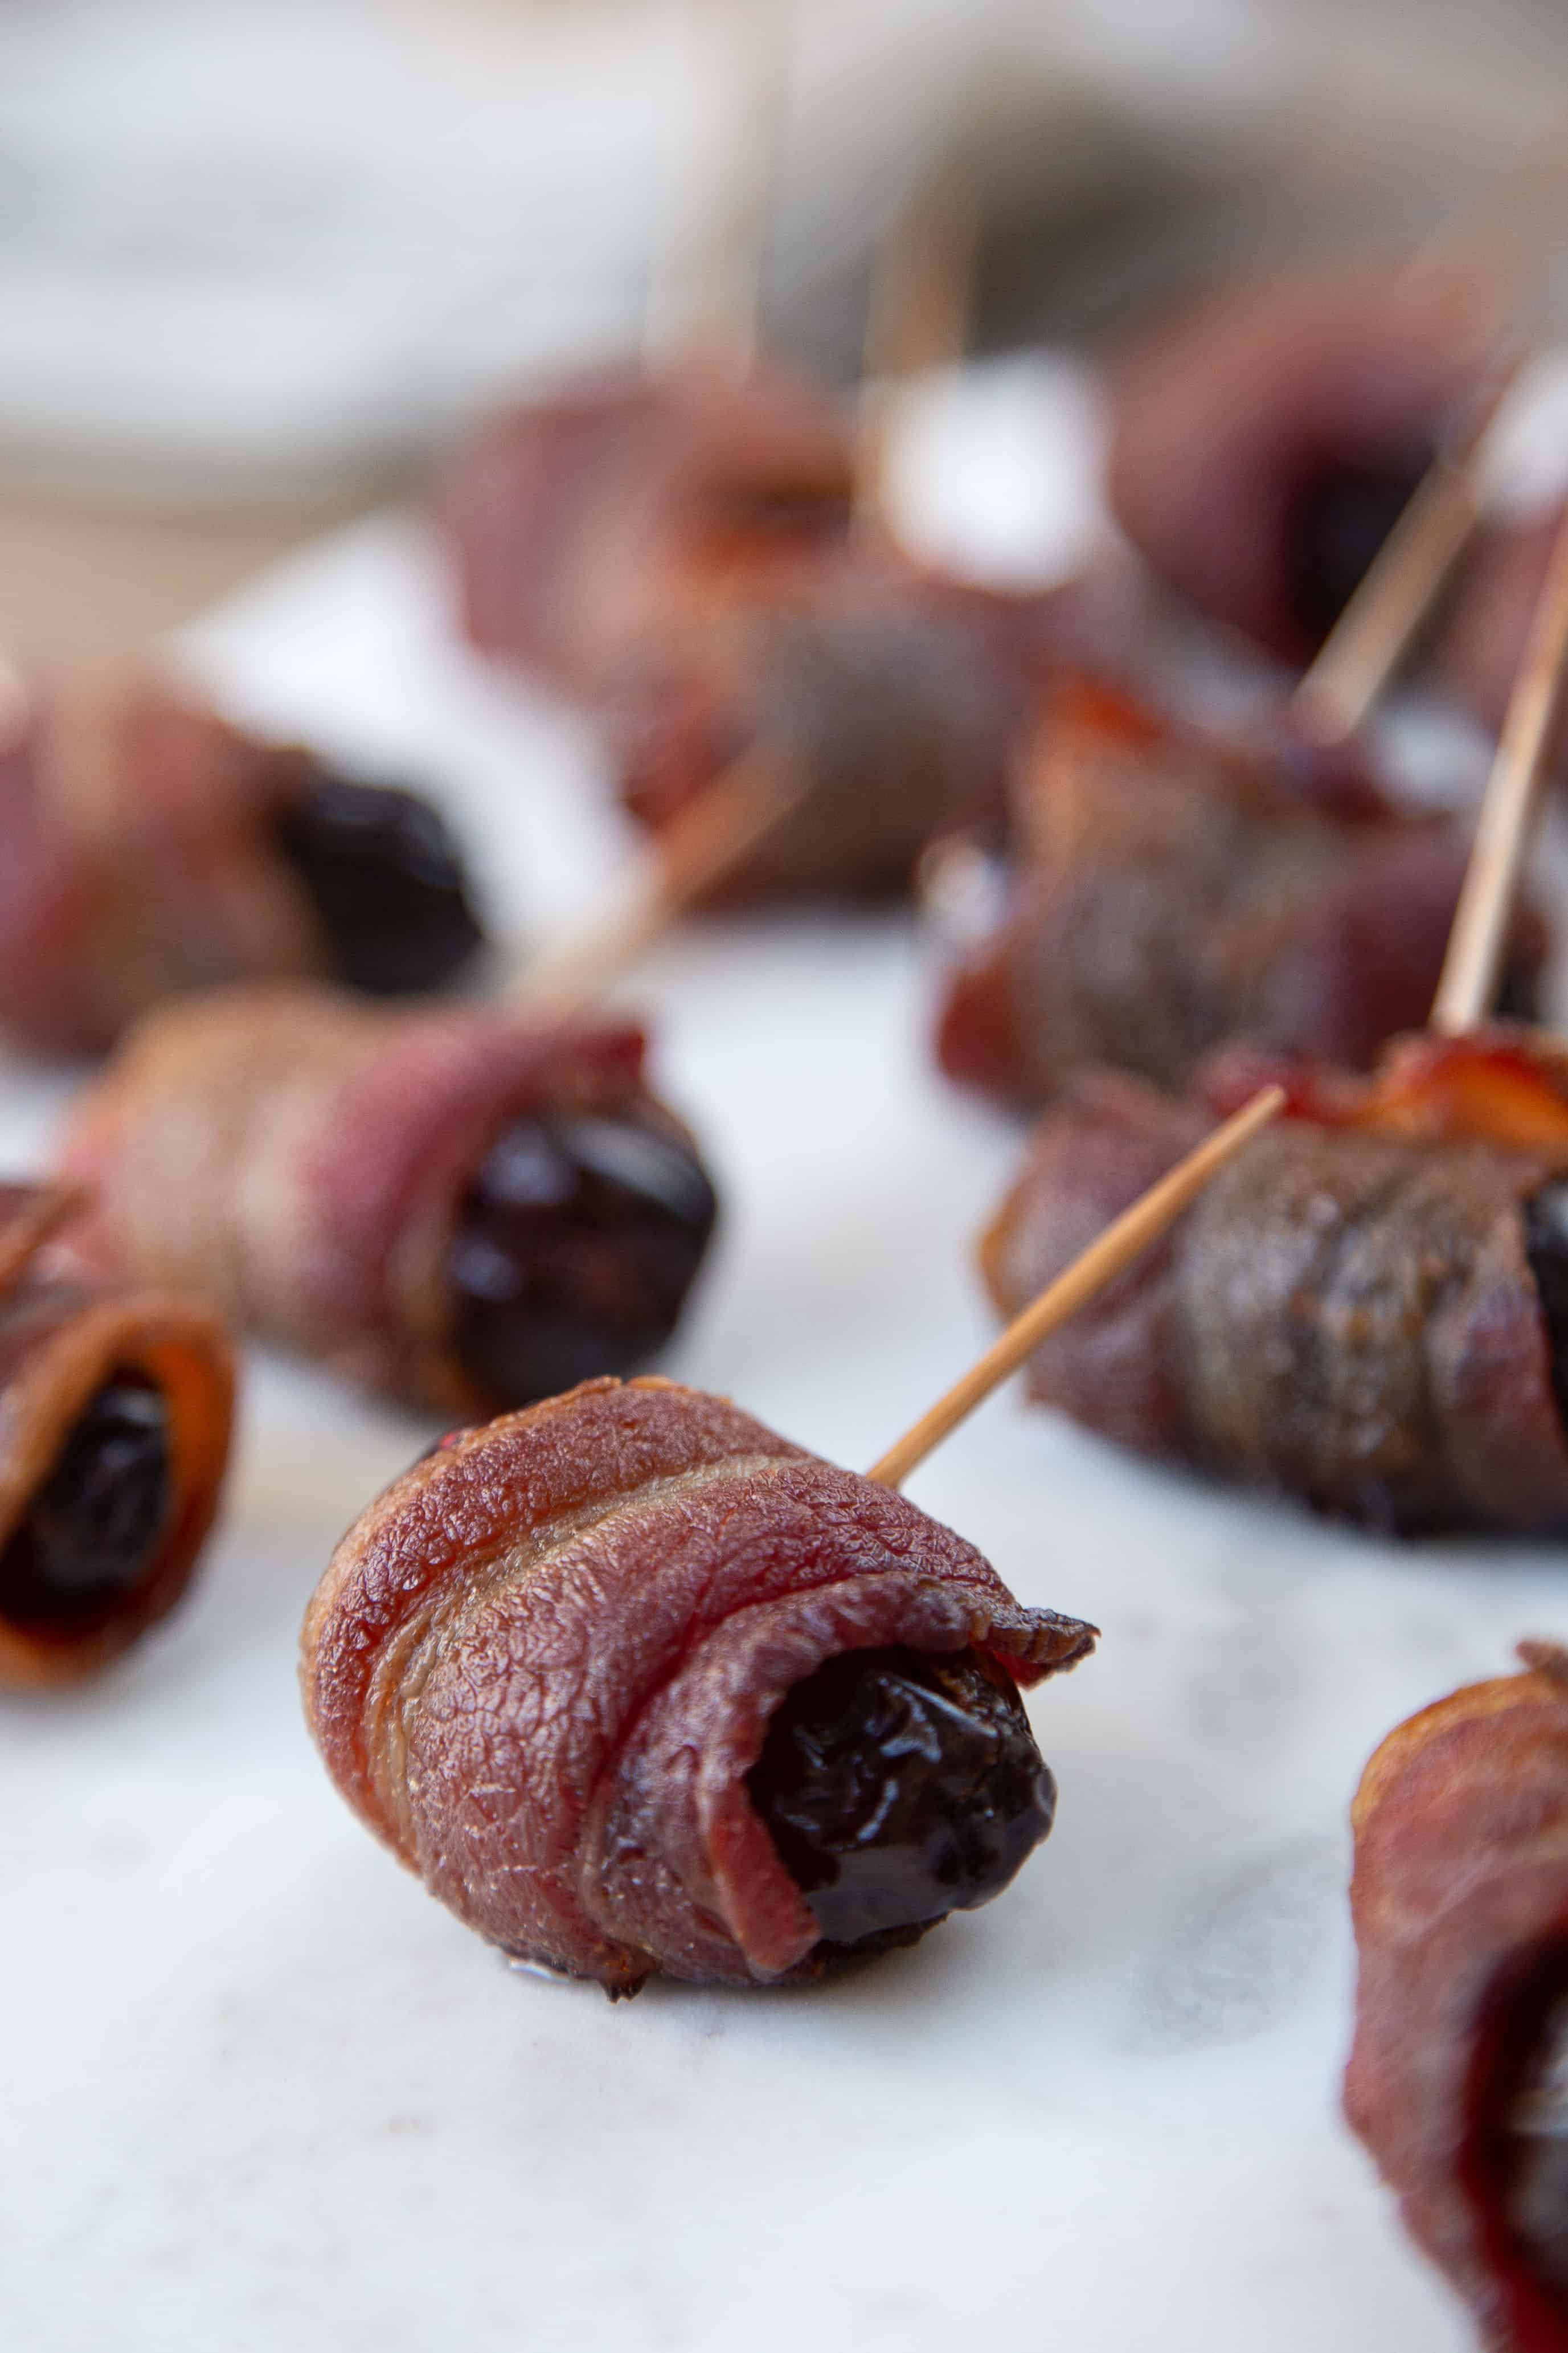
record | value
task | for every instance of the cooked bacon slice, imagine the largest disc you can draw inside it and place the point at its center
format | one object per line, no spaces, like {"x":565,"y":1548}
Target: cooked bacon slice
{"x":101,"y":1526}
{"x":678,"y":551}
{"x":897,"y":699}
{"x":1175,"y":892}
{"x":148,"y":848}
{"x":1263,"y":444}
{"x":1351,"y":1313}
{"x":542,"y":1666}
{"x":310,"y":1163}
{"x":582,"y":521}
{"x":1456,"y":2076}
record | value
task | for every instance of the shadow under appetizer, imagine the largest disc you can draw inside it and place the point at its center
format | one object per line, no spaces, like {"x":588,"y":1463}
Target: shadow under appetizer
{"x":148,"y":848}
{"x":683,"y":553}
{"x":1367,"y":1309}
{"x":1458,"y":2080}
{"x":637,"y":1686}
{"x":115,"y":1412}
{"x":455,"y":1206}
{"x":1174,"y":891}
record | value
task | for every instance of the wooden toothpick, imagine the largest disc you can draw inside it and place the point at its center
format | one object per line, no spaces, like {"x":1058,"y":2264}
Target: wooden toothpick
{"x":919,"y":320}
{"x":717,"y":278}
{"x":1403,"y":582}
{"x":1115,"y":1248}
{"x":709,"y":837}
{"x":917,"y":316}
{"x":1507,"y":809}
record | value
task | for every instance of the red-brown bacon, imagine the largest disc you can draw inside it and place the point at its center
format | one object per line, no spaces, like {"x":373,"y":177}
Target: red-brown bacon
{"x":1348,"y":1314}
{"x":543,"y":1664}
{"x":148,"y":848}
{"x":1460,"y":1904}
{"x":60,"y":1342}
{"x":1263,"y":445}
{"x":302,"y":1159}
{"x":1175,"y":892}
{"x":134,"y":862}
{"x":1236,"y":424}
{"x":583,"y":520}
{"x":679,"y":551}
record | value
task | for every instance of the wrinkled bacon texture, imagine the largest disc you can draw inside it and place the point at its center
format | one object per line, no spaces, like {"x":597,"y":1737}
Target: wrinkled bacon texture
{"x":136,"y":862}
{"x":299,"y":1158}
{"x":1460,"y":1888}
{"x":61,"y":1340}
{"x":541,"y":1666}
{"x":1347,"y":1314}
{"x":1174,"y":893}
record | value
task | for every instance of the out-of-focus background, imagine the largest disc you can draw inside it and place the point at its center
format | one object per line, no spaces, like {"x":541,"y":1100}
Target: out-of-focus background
{"x":258,"y":256}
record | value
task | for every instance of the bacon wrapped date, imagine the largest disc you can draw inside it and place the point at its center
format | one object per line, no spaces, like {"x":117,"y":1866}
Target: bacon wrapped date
{"x":1175,"y":892}
{"x":1263,"y":447}
{"x":1458,"y":2080}
{"x":678,"y":551}
{"x":635,"y":1685}
{"x":1367,"y":1308}
{"x":898,"y":699}
{"x":1264,"y":443}
{"x":455,"y":1206}
{"x":115,"y":1413}
{"x":582,"y":519}
{"x":147,"y":848}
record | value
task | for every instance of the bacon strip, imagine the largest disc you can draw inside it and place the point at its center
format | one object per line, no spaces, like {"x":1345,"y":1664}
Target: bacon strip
{"x":1176,"y":893}
{"x":1348,"y":1316}
{"x":541,"y":1665}
{"x":1459,"y":1897}
{"x":60,"y":1342}
{"x":135,"y":862}
{"x":301,"y":1158}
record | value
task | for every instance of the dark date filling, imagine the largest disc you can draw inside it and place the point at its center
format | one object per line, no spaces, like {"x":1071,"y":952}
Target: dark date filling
{"x":1532,"y":2151}
{"x":899,"y":1786}
{"x":575,"y":1247}
{"x":1546,"y":1247}
{"x":96,"y":1526}
{"x":1335,"y":523}
{"x":386,"y":880}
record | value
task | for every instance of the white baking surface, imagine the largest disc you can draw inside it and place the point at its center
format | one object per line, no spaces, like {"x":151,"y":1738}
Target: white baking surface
{"x":261,"y":2092}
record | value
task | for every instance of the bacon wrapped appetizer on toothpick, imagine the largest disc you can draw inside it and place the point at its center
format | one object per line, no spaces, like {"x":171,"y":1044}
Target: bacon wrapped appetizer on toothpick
{"x":707,"y":597}
{"x":636,"y":1685}
{"x":1458,"y":2080}
{"x":115,"y":1410}
{"x":1367,"y":1310}
{"x":1174,"y":891}
{"x":457,"y":1208}
{"x":1281,"y":446}
{"x":147,"y":848}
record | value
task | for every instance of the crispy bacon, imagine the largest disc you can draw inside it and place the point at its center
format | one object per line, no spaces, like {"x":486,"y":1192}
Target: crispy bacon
{"x":679,"y":551}
{"x":302,"y":1158}
{"x":542,"y":1666}
{"x":1460,"y":1904}
{"x":61,"y":1341}
{"x":1235,"y":427}
{"x":585,"y":519}
{"x":1350,"y":1313}
{"x":1175,"y":892}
